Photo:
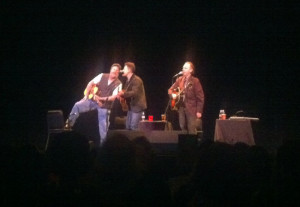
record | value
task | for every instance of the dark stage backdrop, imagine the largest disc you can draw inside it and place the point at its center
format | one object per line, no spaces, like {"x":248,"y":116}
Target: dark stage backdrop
{"x":244,"y":53}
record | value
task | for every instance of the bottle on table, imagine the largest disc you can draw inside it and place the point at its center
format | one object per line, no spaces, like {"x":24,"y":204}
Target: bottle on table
{"x":222,"y":114}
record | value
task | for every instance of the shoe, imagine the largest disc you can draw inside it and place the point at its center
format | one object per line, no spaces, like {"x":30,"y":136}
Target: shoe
{"x":67,"y":125}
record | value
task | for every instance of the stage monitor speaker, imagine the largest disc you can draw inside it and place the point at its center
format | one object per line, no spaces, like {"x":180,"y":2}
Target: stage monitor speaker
{"x":158,"y":136}
{"x":152,"y":125}
{"x":187,"y":141}
{"x":163,"y":142}
{"x":162,"y":137}
{"x":119,"y":122}
{"x":131,"y":134}
{"x":87,"y":124}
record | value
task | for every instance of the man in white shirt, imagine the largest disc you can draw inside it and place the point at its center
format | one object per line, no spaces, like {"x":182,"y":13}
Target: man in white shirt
{"x":99,"y":94}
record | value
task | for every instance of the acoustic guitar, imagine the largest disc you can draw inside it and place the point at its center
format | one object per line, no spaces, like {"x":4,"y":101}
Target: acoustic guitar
{"x":123,"y":103}
{"x":93,"y":94}
{"x":177,"y":96}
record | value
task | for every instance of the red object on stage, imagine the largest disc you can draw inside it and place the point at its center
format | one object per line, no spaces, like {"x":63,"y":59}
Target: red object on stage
{"x":150,"y":117}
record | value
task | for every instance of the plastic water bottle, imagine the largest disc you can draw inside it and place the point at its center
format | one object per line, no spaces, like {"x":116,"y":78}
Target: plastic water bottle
{"x":143,"y":116}
{"x":222,"y":114}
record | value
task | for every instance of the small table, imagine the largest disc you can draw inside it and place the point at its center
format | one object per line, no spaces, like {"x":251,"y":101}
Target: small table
{"x":154,"y":125}
{"x":233,"y":131}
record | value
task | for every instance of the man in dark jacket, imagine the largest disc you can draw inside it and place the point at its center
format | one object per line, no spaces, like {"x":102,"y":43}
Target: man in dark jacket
{"x":190,"y":97}
{"x":134,"y":94}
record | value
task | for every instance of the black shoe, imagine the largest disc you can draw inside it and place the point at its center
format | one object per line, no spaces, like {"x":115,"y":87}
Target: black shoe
{"x":68,"y":126}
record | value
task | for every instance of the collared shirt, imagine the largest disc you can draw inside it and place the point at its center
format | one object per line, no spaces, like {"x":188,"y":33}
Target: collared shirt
{"x":98,"y":78}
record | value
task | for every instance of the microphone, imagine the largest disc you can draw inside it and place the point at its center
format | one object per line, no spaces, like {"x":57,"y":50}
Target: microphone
{"x":178,"y":74}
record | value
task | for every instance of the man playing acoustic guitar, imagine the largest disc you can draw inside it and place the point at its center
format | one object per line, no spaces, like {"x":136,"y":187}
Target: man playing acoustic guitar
{"x":190,"y":104}
{"x":99,"y":95}
{"x":134,"y":95}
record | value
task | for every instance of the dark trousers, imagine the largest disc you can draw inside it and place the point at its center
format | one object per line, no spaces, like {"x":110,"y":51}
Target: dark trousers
{"x":187,"y":120}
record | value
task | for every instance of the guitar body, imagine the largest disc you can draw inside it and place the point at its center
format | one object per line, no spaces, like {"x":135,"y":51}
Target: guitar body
{"x":177,"y":96}
{"x":173,"y":104}
{"x":93,"y":94}
{"x":123,"y":103}
{"x":175,"y":99}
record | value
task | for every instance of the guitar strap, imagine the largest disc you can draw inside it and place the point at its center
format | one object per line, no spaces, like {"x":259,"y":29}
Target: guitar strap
{"x":125,"y":106}
{"x":127,"y":84}
{"x":185,"y":83}
{"x":181,"y":84}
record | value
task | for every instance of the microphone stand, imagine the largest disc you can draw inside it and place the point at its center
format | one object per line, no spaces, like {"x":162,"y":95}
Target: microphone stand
{"x":169,"y":102}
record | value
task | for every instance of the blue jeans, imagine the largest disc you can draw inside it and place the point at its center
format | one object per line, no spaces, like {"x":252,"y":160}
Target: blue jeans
{"x":89,"y":105}
{"x":133,"y":119}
